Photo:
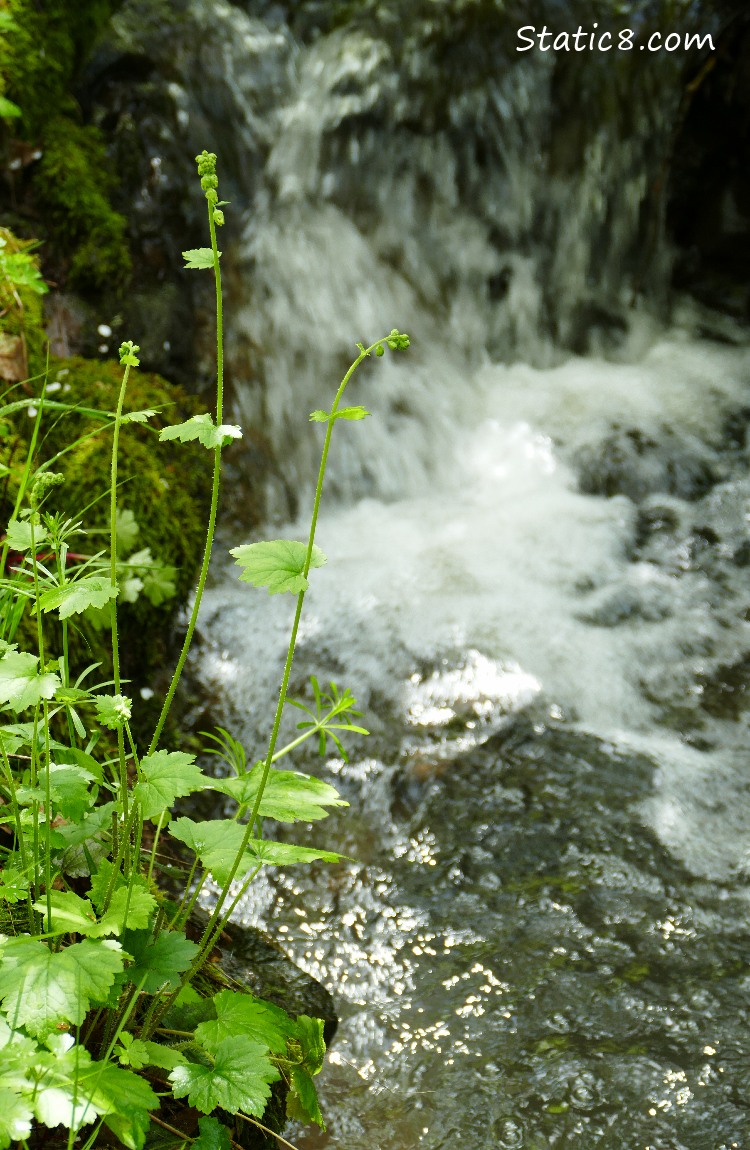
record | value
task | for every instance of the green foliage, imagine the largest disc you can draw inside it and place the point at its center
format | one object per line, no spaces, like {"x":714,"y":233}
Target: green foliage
{"x":42,"y":990}
{"x":164,"y":777}
{"x":242,"y":1014}
{"x":238,"y":1078}
{"x":199,"y":258}
{"x":58,"y":1083}
{"x":100,"y":977}
{"x":159,"y":962}
{"x":21,"y":683}
{"x":75,"y":598}
{"x":72,"y":183}
{"x":202,"y":429}
{"x":288,"y":796}
{"x":224,"y":846}
{"x":113,"y":711}
{"x":21,"y":291}
{"x":302,"y":1101}
{"x":72,"y":180}
{"x":351,"y":413}
{"x":278,"y":565}
{"x":160,"y":512}
{"x":213,"y":1135}
{"x":334,"y":711}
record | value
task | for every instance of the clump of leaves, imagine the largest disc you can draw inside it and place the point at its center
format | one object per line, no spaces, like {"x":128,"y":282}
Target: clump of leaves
{"x":103,"y":996}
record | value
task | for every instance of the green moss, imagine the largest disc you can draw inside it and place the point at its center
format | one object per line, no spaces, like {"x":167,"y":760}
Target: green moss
{"x":41,"y":55}
{"x":165,"y":486}
{"x":70,"y":184}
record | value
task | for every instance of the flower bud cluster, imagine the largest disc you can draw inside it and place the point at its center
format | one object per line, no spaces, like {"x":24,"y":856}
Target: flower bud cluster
{"x":129,"y":354}
{"x":43,"y":483}
{"x":397,"y":341}
{"x":206,"y":162}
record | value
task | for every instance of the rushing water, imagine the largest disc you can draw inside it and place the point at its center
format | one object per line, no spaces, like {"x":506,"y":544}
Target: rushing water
{"x":542,"y":941}
{"x":536,"y":586}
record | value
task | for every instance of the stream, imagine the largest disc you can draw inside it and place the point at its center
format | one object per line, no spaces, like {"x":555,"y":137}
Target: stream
{"x":537,"y":578}
{"x":543,"y":939}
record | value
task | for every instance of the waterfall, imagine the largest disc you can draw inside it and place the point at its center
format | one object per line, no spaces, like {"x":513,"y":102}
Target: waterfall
{"x":537,"y":555}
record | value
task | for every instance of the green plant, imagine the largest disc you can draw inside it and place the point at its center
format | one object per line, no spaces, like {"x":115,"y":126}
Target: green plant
{"x":103,"y":996}
{"x":21,"y":290}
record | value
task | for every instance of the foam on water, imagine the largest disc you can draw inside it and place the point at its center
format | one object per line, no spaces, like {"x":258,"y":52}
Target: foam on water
{"x":505,"y":562}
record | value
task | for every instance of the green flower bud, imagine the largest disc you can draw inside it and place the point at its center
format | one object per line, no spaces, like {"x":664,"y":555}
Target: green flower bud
{"x":206,"y":162}
{"x":42,"y":485}
{"x":129,"y":354}
{"x":212,"y":196}
{"x":209,"y":181}
{"x":218,"y":217}
{"x":397,"y":341}
{"x":380,"y":350}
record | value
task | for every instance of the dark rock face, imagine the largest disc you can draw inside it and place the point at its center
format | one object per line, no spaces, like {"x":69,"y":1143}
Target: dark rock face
{"x":260,"y":964}
{"x":708,"y":212}
{"x":443,"y":110}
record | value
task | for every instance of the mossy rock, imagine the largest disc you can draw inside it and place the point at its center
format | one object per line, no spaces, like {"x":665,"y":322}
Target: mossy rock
{"x":165,"y":485}
{"x":67,"y":187}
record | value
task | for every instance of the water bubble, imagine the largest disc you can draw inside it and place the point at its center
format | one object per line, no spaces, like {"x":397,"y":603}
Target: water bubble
{"x":584,"y":1091}
{"x":509,"y":1134}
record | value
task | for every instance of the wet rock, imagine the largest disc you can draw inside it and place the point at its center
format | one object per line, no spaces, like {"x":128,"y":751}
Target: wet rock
{"x":628,"y":462}
{"x":258,"y":962}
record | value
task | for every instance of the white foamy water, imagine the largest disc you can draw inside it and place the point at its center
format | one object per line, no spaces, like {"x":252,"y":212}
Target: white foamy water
{"x":499,"y":585}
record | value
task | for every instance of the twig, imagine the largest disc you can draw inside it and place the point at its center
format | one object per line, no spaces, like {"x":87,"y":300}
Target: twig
{"x":267,"y":1130}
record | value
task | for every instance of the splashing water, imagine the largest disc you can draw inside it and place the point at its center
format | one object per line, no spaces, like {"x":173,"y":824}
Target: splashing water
{"x":536,"y":583}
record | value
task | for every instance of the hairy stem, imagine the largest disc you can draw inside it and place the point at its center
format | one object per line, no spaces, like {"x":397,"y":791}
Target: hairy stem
{"x":214,"y":497}
{"x":218,"y":920}
{"x":113,"y":600}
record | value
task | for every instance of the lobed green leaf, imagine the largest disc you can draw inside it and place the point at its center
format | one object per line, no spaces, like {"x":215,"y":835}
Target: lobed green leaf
{"x":240,"y":1078}
{"x":70,"y":789}
{"x":242,"y":1014}
{"x":138,"y":416}
{"x":127,"y":529}
{"x":21,"y":685}
{"x":76,"y":597}
{"x":199,"y":258}
{"x":19,"y":533}
{"x":217,"y":841}
{"x":127,"y":909}
{"x":302,"y":1099}
{"x":162,"y":960}
{"x":166,"y":776}
{"x":213,"y":1135}
{"x":202,"y":429}
{"x":289,"y":796}
{"x":41,"y":990}
{"x":350,"y":413}
{"x":113,"y":711}
{"x":277,"y":565}
{"x":15,"y":1112}
{"x":137,"y":1053}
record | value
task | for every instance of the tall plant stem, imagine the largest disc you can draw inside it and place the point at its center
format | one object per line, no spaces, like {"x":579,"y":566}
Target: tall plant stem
{"x":11,"y":787}
{"x":215,"y":917}
{"x":214,"y":498}
{"x":35,"y":750}
{"x":113,"y":601}
{"x":218,"y":921}
{"x":27,"y":465}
